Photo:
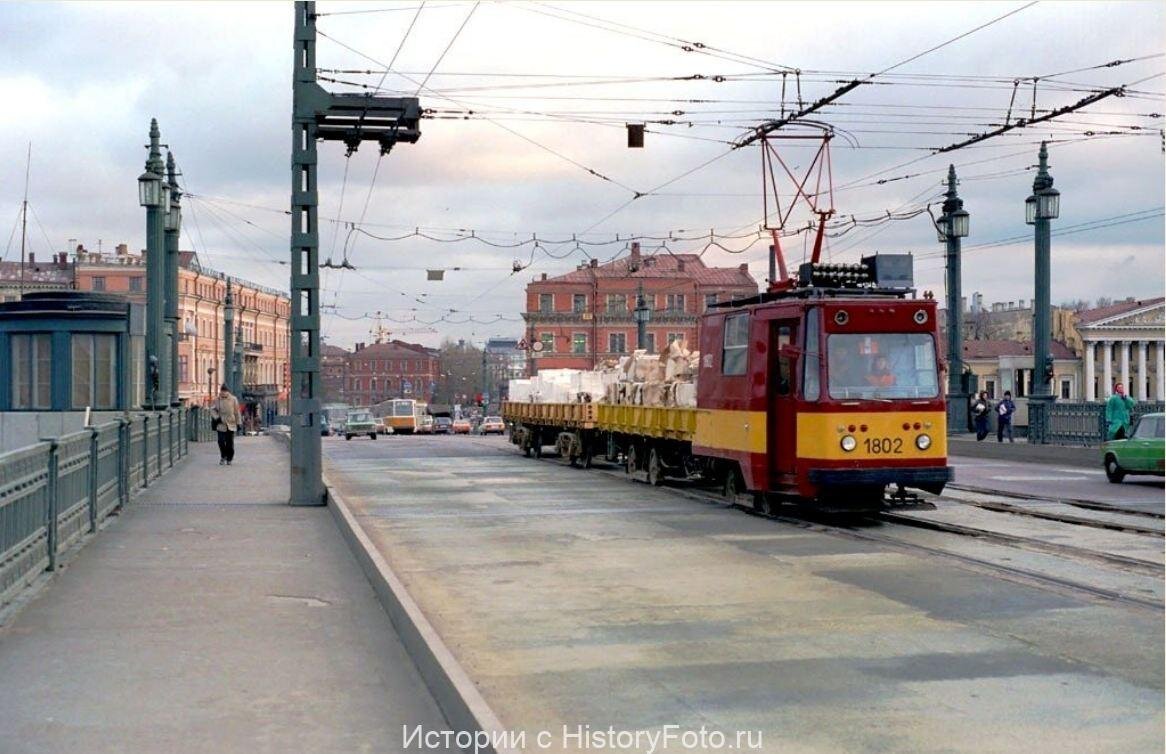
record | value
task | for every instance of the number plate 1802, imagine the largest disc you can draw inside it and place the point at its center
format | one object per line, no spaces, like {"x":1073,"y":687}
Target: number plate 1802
{"x":883,"y":446}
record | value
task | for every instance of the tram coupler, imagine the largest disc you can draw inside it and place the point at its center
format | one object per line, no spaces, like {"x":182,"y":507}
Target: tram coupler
{"x":902,"y":500}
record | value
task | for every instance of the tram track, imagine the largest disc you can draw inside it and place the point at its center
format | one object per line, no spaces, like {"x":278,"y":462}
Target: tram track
{"x":1029,"y":543}
{"x":1019,"y":510}
{"x":1072,"y":502}
{"x":1028,"y":576}
{"x":887,"y":536}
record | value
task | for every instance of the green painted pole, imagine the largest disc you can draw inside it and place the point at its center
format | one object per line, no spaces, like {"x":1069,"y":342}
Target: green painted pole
{"x":156,"y":352}
{"x":173,"y":228}
{"x":307,"y":484}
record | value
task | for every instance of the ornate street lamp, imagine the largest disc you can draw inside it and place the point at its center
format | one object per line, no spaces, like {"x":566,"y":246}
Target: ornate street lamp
{"x":150,"y":189}
{"x":1042,"y":206}
{"x":154,"y":195}
{"x":953,"y":226}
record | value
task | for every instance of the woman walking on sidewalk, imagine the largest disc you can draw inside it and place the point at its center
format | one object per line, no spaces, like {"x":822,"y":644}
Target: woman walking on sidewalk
{"x":225,"y":420}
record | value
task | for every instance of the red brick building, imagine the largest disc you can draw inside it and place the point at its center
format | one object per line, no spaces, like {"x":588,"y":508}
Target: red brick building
{"x":389,"y":370}
{"x":333,"y":367}
{"x":585,"y":316}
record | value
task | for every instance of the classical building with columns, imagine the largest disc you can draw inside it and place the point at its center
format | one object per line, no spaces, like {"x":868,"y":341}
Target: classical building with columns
{"x":1124,"y":342}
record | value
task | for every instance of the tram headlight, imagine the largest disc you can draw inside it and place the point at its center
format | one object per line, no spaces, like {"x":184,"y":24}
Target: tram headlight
{"x":849,"y":443}
{"x":923,"y":442}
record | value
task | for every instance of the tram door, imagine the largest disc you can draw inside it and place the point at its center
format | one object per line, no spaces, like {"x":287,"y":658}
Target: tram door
{"x":782,"y":412}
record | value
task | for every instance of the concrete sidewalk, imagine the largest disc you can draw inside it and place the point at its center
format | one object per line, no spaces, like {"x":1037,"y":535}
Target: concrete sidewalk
{"x":211,"y":617}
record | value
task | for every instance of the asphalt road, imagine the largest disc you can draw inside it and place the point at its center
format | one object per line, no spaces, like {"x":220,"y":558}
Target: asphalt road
{"x":580,"y":598}
{"x":1059,"y":482}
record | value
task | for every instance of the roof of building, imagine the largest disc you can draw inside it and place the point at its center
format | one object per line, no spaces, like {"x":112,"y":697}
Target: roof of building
{"x":327,"y":350}
{"x":682,"y":266}
{"x":39,"y":272}
{"x":991,"y":349}
{"x":393,"y":348}
{"x":1113,"y":310}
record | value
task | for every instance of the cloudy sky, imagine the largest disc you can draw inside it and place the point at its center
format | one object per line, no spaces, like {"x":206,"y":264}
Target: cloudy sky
{"x":530,"y":97}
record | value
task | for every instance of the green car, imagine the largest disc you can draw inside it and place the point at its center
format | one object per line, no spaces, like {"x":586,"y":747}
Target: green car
{"x":360,"y":422}
{"x":1143,"y":453}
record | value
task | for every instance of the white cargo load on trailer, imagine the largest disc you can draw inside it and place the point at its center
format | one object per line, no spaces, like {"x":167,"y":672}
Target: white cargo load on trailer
{"x":641,"y":379}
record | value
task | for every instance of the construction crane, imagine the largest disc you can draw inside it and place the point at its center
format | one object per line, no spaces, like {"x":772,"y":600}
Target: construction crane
{"x":381,"y":334}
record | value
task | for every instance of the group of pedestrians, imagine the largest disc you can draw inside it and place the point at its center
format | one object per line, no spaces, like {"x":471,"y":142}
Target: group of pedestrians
{"x":982,"y":409}
{"x":1117,"y":415}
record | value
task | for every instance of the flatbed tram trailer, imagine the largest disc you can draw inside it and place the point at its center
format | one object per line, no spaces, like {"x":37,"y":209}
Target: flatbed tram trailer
{"x":820,"y":394}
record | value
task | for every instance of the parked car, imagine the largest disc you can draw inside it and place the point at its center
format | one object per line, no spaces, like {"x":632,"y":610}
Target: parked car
{"x":492,"y":425}
{"x":1143,"y":453}
{"x":360,"y":422}
{"x":461,"y":426}
{"x":442,"y":425}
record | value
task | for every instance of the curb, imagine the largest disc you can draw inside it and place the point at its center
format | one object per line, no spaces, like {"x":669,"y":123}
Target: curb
{"x":1023,"y":452}
{"x":464,"y":707}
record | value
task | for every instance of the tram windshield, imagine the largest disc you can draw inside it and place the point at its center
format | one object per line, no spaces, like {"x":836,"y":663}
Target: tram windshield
{"x":881,"y":365}
{"x":402,"y":408}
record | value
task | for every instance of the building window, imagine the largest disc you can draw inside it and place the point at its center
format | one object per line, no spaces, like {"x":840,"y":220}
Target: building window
{"x":736,"y":344}
{"x":617,"y":303}
{"x":675,"y":302}
{"x":1066,"y":389}
{"x":548,"y":341}
{"x":579,"y":303}
{"x":183,"y":369}
{"x":990,"y":388}
{"x":675,"y":336}
{"x":546,"y":303}
{"x":98,"y":283}
{"x":709,"y":300}
{"x":617,"y":342}
{"x":136,"y":285}
{"x":94,"y":370}
{"x":650,"y":342}
{"x":579,"y":342}
{"x":31,"y":369}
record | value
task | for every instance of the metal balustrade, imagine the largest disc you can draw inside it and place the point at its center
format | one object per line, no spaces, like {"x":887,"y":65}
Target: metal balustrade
{"x":56,"y":491}
{"x":1076,"y":422}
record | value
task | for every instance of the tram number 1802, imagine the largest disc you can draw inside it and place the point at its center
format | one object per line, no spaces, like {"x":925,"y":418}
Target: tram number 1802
{"x":883,"y":445}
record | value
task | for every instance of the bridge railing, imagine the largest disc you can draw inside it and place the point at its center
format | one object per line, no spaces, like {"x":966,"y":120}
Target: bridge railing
{"x":56,"y":491}
{"x":1076,"y":422}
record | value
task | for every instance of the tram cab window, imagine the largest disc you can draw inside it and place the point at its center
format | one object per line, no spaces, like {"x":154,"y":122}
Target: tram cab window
{"x":736,"y":344}
{"x":811,"y":387}
{"x":881,"y":365}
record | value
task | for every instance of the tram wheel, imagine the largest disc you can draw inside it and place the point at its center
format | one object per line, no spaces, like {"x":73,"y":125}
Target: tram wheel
{"x":732,"y":488}
{"x":655,"y":469}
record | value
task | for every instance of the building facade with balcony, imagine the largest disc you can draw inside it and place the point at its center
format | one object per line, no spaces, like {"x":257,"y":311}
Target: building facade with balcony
{"x":395,"y":369}
{"x":262,"y":317}
{"x":579,"y":319}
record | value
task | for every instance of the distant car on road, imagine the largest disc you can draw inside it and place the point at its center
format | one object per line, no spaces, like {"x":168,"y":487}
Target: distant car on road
{"x":492,"y":425}
{"x":360,"y":422}
{"x":1143,"y":453}
{"x":425,"y":426}
{"x":461,"y":426}
{"x":442,"y":425}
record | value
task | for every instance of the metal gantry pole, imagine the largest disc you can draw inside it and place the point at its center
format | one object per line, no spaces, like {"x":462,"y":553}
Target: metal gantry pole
{"x":321,"y":115}
{"x":307,"y":484}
